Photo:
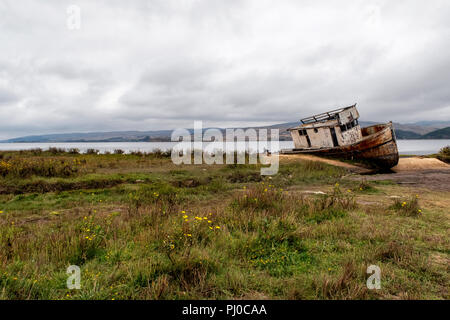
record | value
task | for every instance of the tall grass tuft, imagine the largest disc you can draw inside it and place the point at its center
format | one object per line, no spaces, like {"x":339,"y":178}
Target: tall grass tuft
{"x":263,"y":196}
{"x":407,"y":207}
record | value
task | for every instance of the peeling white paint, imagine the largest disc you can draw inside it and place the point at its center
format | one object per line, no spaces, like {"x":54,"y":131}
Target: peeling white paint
{"x":319,"y":133}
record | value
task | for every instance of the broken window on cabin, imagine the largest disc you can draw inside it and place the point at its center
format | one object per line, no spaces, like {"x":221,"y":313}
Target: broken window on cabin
{"x":349,"y":125}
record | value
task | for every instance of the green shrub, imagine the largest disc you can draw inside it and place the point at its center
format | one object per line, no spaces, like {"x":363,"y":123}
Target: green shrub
{"x":444,"y":154}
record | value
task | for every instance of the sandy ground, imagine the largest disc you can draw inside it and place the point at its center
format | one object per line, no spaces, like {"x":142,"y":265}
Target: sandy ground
{"x":419,"y":163}
{"x":420,"y":172}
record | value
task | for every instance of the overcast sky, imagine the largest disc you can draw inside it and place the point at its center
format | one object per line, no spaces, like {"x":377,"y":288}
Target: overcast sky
{"x":161,"y":64}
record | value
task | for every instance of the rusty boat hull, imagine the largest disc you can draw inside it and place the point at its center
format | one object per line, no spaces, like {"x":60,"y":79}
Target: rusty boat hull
{"x":377,"y":148}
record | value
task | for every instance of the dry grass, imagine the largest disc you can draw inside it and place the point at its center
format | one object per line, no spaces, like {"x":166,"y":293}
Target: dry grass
{"x":155,"y":235}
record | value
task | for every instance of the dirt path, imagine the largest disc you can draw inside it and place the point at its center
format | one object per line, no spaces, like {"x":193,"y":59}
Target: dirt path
{"x":418,"y":172}
{"x":419,"y":163}
{"x":404,"y":164}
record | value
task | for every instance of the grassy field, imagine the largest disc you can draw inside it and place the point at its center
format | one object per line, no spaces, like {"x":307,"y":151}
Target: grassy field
{"x":141,"y":227}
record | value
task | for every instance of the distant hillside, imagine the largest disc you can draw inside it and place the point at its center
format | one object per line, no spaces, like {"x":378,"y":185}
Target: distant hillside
{"x":434,"y":124}
{"x":438,"y":134}
{"x":403,"y":131}
{"x":402,"y":134}
{"x":115,"y":136}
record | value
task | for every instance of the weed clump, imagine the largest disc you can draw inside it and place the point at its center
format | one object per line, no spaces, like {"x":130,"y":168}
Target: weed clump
{"x":261,"y":197}
{"x":346,"y":286}
{"x":92,"y":151}
{"x":407,"y":207}
{"x":25,"y":168}
{"x":330,"y":206}
{"x":336,"y":199}
{"x":73,"y":151}
{"x":365,"y":187}
{"x":160,"y":154}
{"x":163,"y":196}
{"x":56,"y":151}
{"x":91,"y":241}
{"x":279,"y":256}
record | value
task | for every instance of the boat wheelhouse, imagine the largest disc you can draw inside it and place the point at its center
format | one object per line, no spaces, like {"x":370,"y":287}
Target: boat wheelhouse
{"x":327,"y":130}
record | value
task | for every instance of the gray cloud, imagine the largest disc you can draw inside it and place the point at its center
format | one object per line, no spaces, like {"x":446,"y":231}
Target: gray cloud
{"x":7,"y":97}
{"x":157,"y":64}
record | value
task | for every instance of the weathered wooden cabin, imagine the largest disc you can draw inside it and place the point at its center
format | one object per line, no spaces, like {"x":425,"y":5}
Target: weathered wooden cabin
{"x":330,"y":129}
{"x":337,"y":133}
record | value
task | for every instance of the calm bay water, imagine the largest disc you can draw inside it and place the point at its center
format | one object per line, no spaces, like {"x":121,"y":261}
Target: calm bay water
{"x":418,"y":147}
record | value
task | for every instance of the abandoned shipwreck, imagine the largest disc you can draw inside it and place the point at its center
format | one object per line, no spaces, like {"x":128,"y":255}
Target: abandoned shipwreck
{"x":337,"y":133}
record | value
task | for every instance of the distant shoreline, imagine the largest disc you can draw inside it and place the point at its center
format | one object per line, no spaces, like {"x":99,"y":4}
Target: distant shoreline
{"x":405,"y":146}
{"x":165,"y":140}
